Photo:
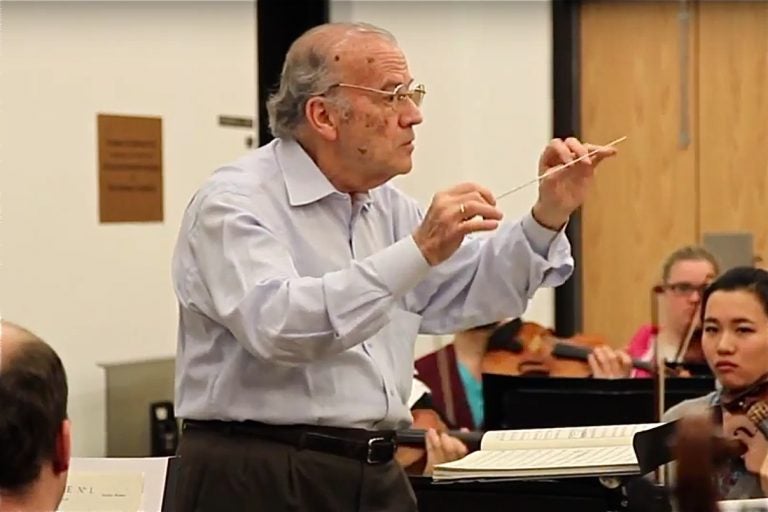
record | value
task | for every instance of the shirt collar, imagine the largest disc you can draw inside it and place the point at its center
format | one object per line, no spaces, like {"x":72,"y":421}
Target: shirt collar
{"x":304,"y":180}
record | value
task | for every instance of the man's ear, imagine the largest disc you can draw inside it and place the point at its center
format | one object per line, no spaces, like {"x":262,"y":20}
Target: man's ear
{"x":63,"y":451}
{"x":322,"y":118}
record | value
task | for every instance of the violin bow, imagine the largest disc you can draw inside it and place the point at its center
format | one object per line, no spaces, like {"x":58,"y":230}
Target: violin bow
{"x":659,"y":377}
{"x":682,"y":347}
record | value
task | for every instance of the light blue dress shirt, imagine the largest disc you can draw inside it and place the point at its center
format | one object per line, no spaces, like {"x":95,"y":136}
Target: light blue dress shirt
{"x":300,"y":304}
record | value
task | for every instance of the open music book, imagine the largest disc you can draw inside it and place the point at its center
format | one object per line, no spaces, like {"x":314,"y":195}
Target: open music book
{"x":549,"y":452}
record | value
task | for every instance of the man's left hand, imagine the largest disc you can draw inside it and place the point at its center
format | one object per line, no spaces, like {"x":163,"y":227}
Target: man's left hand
{"x":563,"y":192}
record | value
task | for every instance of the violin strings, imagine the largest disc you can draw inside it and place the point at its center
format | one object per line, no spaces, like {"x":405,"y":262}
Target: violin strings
{"x":560,"y":168}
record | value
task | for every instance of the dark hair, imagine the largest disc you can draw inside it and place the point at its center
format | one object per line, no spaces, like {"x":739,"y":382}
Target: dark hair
{"x":33,"y":405}
{"x":504,"y":337}
{"x":751,"y":279}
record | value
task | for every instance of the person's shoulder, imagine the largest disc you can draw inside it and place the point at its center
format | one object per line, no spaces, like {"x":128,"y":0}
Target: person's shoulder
{"x":641,"y":339}
{"x":251,"y":172}
{"x":254,"y":174}
{"x":689,"y":406}
{"x":644,"y":331}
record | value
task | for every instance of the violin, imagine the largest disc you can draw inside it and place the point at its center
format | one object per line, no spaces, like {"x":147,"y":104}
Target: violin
{"x":527,"y":348}
{"x":744,"y":414}
{"x":751,"y":402}
{"x":411,"y":450}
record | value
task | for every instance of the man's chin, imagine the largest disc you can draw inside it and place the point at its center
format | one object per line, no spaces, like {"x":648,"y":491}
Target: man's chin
{"x":404,"y":167}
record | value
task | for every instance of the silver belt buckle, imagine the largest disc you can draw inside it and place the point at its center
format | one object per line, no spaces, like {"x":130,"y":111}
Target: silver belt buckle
{"x":371,"y":442}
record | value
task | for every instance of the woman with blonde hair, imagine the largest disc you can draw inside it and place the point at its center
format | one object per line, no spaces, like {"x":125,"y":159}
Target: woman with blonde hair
{"x":685,"y":273}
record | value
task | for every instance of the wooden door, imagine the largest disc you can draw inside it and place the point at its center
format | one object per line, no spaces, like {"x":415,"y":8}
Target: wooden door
{"x":644,"y":201}
{"x":733,"y":120}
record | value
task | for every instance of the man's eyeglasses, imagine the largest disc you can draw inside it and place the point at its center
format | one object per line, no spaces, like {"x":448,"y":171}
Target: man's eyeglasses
{"x":685,"y":289}
{"x":399,"y":95}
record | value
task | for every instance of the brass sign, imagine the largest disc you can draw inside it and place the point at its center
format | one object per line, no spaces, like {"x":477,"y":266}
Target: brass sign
{"x":130,"y":168}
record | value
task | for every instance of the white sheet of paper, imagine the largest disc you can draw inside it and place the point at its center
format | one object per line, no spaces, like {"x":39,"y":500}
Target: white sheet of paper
{"x":565,"y":437}
{"x":154,"y":470}
{"x":546,"y":459}
{"x":89,"y":491}
{"x":749,"y":505}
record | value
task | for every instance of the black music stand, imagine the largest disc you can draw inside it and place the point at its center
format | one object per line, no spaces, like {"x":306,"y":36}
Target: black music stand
{"x":573,"y":495}
{"x":513,"y":402}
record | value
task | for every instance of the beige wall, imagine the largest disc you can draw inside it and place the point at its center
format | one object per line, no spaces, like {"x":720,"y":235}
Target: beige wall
{"x":103,"y":293}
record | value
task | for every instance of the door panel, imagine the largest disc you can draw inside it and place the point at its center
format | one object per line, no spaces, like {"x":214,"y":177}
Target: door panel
{"x":733,"y":163}
{"x":643,"y":204}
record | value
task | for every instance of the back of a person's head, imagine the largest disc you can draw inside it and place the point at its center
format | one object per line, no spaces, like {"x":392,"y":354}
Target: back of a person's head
{"x":33,"y":407}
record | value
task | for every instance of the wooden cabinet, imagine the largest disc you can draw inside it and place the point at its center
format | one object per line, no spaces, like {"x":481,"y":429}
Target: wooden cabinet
{"x":687,"y":82}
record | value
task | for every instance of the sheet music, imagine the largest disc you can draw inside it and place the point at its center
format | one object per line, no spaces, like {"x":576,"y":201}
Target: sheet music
{"x":748,"y":505}
{"x":88,"y":491}
{"x":585,"y":457}
{"x":153,"y":470}
{"x":564,"y":437}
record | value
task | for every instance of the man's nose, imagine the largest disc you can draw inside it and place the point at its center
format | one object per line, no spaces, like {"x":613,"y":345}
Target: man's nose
{"x":411,"y":115}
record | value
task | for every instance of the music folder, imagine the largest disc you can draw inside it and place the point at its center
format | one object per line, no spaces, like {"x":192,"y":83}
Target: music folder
{"x":653,"y":447}
{"x":516,"y":402}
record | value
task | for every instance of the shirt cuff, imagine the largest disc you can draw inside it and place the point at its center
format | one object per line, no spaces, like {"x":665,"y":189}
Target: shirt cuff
{"x":401,"y":266}
{"x":538,"y":236}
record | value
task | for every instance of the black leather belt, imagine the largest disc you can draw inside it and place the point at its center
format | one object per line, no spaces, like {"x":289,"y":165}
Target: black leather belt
{"x":369,"y":446}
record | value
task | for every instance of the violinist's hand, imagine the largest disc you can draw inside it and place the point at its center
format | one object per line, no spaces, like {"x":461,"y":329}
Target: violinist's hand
{"x":739,"y":426}
{"x":563,"y":192}
{"x":609,"y":363}
{"x":442,"y":448}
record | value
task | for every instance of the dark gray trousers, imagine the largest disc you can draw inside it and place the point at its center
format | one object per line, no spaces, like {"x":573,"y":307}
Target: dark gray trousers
{"x":230,"y":472}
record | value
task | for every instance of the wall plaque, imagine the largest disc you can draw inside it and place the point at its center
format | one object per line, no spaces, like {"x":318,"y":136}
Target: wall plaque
{"x":130,"y":168}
